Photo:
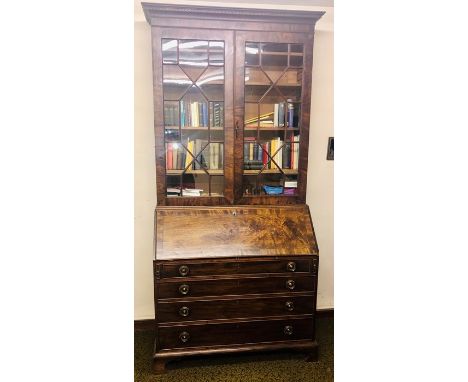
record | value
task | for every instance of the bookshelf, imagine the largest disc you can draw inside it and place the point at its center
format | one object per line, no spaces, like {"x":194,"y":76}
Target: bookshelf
{"x":215,"y":102}
{"x":228,"y":146}
{"x":236,"y":258}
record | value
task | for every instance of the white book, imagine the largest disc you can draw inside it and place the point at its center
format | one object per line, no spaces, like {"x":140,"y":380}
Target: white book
{"x":276,"y":119}
{"x":290,"y":183}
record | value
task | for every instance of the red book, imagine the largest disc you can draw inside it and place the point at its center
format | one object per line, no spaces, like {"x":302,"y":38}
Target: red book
{"x":169,"y":156}
{"x":264,"y":154}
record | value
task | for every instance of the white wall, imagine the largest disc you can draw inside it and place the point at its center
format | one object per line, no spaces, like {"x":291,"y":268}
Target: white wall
{"x":320,"y":174}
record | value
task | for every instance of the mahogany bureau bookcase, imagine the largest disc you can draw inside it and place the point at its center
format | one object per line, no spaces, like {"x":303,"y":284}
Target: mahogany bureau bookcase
{"x":236,"y":259}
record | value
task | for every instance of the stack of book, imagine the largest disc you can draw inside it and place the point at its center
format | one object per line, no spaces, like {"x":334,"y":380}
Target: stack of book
{"x":290,"y":187}
{"x":192,"y":192}
{"x":211,"y":158}
{"x":283,"y":114}
{"x":285,"y":155}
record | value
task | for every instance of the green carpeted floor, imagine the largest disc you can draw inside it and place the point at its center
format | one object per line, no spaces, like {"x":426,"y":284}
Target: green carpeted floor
{"x":264,"y":367}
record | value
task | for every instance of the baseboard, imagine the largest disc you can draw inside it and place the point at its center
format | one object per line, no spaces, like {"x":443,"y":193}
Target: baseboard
{"x":149,"y":324}
{"x":140,"y":325}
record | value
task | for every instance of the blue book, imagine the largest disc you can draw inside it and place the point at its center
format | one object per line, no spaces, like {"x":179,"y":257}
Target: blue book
{"x":182,"y":114}
{"x":205,"y":114}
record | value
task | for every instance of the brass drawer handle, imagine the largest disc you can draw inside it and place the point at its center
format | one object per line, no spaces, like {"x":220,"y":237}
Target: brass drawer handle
{"x":290,"y":284}
{"x":184,"y":311}
{"x":289,"y":305}
{"x":288,"y":330}
{"x":184,"y":336}
{"x":184,"y":289}
{"x":184,"y":270}
{"x":291,"y":266}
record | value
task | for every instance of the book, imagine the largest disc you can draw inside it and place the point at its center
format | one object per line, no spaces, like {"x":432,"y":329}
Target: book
{"x":290,"y":183}
{"x":275,"y":118}
{"x":290,"y":113}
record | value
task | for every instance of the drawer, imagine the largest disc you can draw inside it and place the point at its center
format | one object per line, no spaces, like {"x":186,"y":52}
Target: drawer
{"x":236,"y":308}
{"x":183,"y":336}
{"x":194,"y":269}
{"x":173,"y":288}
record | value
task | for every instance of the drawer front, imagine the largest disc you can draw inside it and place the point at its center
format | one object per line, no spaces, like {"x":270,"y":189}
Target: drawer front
{"x":238,"y":308}
{"x":191,"y":269}
{"x":183,"y":336}
{"x":235,"y":286}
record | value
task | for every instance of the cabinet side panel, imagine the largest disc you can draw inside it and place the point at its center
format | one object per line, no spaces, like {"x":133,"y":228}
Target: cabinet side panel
{"x":160,"y":152}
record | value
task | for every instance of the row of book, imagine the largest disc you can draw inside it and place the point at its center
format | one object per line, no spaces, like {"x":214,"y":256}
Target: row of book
{"x":281,"y":116}
{"x":194,"y":114}
{"x":212,"y":157}
{"x":190,"y":192}
{"x":257,"y":155}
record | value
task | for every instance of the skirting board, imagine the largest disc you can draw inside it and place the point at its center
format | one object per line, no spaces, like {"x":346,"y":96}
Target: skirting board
{"x":141,"y":325}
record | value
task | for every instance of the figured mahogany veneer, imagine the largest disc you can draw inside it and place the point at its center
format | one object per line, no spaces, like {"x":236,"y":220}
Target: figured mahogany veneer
{"x":204,"y":232}
{"x":184,"y":311}
{"x":169,"y":337}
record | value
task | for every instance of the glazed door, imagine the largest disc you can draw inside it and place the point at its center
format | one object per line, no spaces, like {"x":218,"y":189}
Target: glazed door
{"x":193,"y":82}
{"x":272,"y":114}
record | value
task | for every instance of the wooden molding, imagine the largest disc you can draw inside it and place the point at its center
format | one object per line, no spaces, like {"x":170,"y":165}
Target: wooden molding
{"x":153,"y":10}
{"x":150,"y":324}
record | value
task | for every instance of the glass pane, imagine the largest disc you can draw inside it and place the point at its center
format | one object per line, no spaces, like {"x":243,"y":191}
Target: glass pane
{"x":217,"y":185}
{"x":250,"y":184}
{"x":217,"y":115}
{"x":252,"y":54}
{"x":195,"y":145}
{"x":251,"y":112}
{"x":194,"y":109}
{"x":296,"y":48}
{"x":290,"y":185}
{"x":216,"y":134}
{"x":250,"y":132}
{"x":194,"y":185}
{"x":173,"y":185}
{"x":255,"y":76}
{"x":193,"y":53}
{"x":212,"y":158}
{"x":270,"y":183}
{"x":169,"y":51}
{"x":175,"y":82}
{"x":193,"y":86}
{"x":171,"y":135}
{"x":296,"y":55}
{"x":292,"y":77}
{"x":294,"y":112}
{"x":266,"y":135}
{"x":175,"y":156}
{"x":295,"y":60}
{"x":271,"y":47}
{"x":256,"y":84}
{"x":216,"y":49}
{"x":273,"y":109}
{"x":253,"y":155}
{"x":171,"y":114}
{"x":211,"y":82}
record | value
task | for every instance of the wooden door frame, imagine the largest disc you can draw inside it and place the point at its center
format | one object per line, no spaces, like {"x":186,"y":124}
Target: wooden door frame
{"x":157,"y":34}
{"x":241,"y":37}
